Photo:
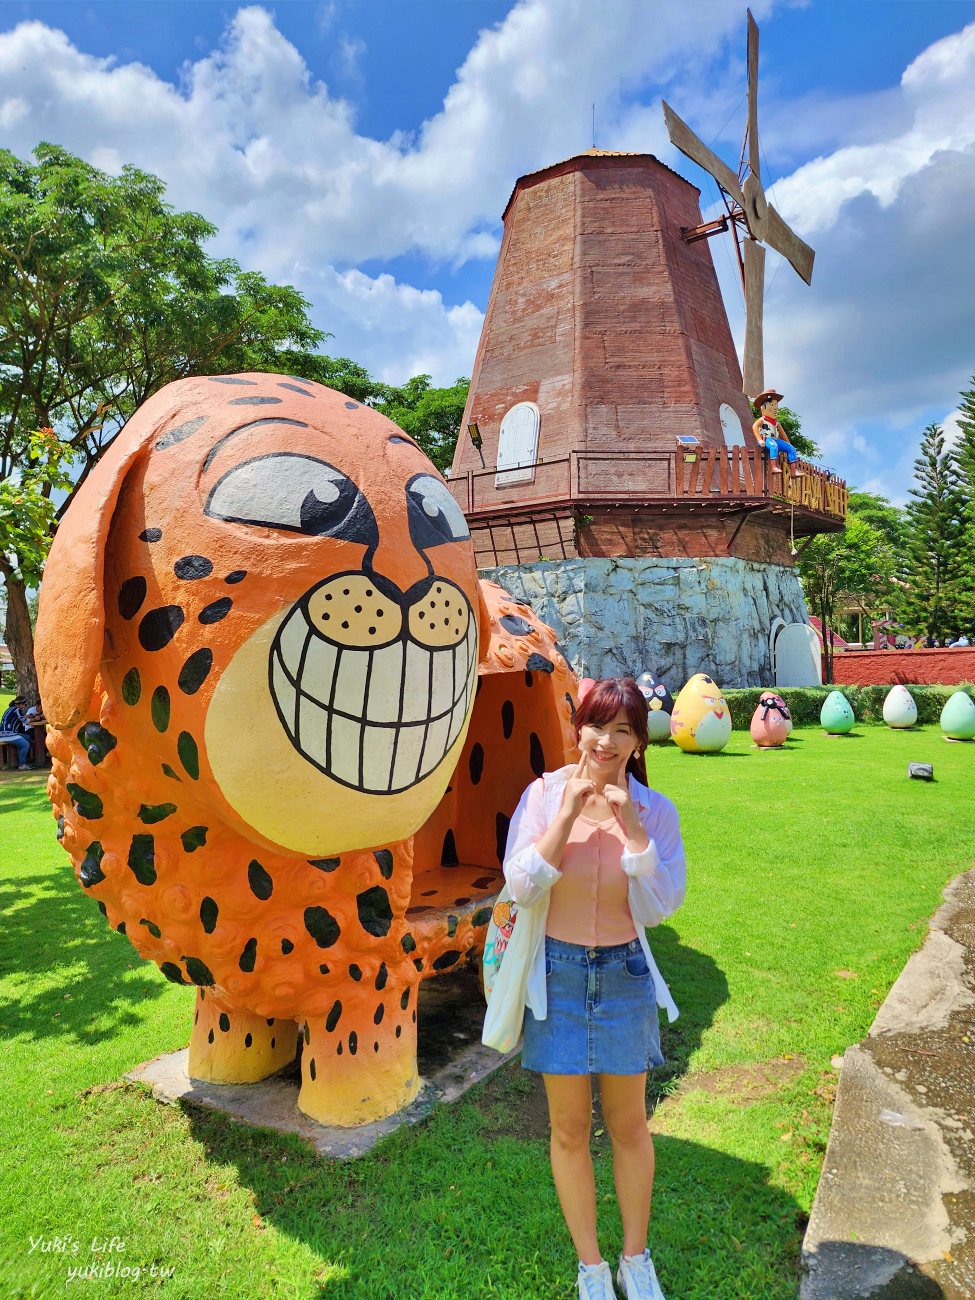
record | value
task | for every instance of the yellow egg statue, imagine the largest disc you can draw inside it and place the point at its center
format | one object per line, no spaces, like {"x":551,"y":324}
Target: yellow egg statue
{"x":701,"y":720}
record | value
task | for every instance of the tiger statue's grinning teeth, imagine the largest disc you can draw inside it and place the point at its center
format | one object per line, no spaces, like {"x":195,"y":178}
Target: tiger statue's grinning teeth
{"x":376,"y":719}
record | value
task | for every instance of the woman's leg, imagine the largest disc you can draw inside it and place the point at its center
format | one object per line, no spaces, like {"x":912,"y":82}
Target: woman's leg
{"x":570,"y":1115}
{"x":624,"y":1103}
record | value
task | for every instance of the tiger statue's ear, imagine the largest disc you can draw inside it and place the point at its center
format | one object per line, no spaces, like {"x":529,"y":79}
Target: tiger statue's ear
{"x":71,"y":608}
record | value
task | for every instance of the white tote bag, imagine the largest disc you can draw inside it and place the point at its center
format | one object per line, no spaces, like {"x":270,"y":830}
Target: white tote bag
{"x":506,"y":971}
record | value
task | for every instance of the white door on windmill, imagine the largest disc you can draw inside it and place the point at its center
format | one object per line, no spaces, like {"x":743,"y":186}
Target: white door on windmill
{"x":518,"y":445}
{"x":734,"y":434}
{"x":797,"y":656}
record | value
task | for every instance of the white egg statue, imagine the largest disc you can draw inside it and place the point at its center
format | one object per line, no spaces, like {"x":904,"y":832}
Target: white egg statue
{"x":701,"y":720}
{"x":899,"y":708}
{"x":660,"y":705}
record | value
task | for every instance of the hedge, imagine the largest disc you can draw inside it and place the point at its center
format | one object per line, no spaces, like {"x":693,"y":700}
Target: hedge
{"x":867,"y":702}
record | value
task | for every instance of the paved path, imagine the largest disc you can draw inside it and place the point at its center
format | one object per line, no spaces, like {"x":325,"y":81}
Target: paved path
{"x":894,"y":1216}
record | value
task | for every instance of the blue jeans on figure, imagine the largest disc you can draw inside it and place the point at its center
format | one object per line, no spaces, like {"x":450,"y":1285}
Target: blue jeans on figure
{"x":774,"y":445}
{"x":23,"y":747}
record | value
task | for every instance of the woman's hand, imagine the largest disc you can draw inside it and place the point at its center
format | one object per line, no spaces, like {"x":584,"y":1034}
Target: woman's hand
{"x":617,"y":795}
{"x":578,"y":788}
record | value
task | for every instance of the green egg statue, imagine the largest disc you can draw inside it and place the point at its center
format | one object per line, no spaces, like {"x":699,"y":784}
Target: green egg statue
{"x":836,"y":716}
{"x":958,"y":717}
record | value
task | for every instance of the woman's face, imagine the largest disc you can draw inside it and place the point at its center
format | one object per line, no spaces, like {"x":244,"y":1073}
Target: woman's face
{"x":607,"y":744}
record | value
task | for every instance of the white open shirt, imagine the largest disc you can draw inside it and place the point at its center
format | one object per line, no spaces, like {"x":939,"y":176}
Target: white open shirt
{"x":657,"y":876}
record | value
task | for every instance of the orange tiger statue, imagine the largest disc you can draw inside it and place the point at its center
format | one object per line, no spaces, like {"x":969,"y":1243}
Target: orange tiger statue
{"x":288,"y":725}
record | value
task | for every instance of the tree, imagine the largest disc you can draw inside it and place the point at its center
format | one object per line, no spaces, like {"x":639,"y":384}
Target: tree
{"x":855,"y":563}
{"x":935,"y":561}
{"x":882,"y":515}
{"x":965,"y":454}
{"x":107,"y":294}
{"x":431,"y":416}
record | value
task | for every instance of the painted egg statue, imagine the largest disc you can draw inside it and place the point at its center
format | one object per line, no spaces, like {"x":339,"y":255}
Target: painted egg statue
{"x":899,"y":708}
{"x":701,"y":720}
{"x":836,"y":716}
{"x":288,"y":726}
{"x":660,"y":705}
{"x":958,"y":717}
{"x":771,"y":721}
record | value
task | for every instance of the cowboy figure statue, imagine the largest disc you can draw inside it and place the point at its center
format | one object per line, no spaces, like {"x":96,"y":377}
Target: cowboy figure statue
{"x":770,"y":434}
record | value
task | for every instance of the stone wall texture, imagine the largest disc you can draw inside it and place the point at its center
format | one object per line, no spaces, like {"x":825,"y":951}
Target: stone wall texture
{"x":893,"y":667}
{"x":673,"y":617}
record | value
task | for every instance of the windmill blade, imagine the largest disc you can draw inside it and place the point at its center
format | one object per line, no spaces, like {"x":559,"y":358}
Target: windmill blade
{"x":694,"y":148}
{"x":753,"y":370}
{"x":753,"y":159}
{"x":784,"y":240}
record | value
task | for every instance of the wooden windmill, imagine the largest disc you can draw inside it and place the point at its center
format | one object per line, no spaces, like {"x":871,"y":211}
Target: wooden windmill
{"x":753,"y":220}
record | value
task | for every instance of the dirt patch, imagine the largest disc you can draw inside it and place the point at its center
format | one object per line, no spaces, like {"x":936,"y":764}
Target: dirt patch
{"x":743,"y":1083}
{"x":514,"y":1104}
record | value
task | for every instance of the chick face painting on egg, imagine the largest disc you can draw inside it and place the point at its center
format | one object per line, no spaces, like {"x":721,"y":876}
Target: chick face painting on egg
{"x":701,"y":720}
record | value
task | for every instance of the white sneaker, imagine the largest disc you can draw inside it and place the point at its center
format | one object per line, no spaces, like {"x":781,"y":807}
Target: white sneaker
{"x":596,"y":1281}
{"x":638,"y":1278}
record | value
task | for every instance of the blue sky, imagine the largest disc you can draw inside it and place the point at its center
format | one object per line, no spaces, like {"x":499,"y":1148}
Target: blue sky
{"x":365,"y":151}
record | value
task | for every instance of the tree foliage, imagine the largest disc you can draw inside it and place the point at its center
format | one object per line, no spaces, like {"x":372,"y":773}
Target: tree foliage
{"x":431,"y":416}
{"x":935,"y":561}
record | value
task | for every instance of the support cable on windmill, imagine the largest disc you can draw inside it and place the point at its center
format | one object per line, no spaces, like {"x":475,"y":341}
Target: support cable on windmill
{"x":752,"y":219}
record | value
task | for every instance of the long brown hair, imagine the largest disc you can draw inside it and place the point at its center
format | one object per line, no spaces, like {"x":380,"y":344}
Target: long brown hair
{"x":603,"y":701}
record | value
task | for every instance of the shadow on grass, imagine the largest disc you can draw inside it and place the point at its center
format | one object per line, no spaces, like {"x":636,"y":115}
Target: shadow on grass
{"x":50,"y":922}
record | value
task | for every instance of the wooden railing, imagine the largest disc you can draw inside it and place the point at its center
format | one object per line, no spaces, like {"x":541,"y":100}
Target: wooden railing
{"x":591,"y":477}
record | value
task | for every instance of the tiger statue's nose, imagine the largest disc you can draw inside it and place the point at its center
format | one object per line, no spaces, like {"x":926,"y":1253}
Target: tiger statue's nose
{"x":351,"y":610}
{"x":441,"y":617}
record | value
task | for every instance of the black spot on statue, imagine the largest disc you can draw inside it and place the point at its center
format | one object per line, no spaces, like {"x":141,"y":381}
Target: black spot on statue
{"x":210,"y":1036}
{"x":355,"y":973}
{"x":338,"y":1050}
{"x":286,"y":946}
{"x":486,"y":882}
{"x":142,"y":859}
{"x":198,"y":971}
{"x":447,"y":959}
{"x":60,"y":828}
{"x":260,"y":882}
{"x":295,"y":389}
{"x":481,"y":917}
{"x":324,"y":968}
{"x":255,"y":401}
{"x":90,"y":872}
{"x":159,"y":708}
{"x":451,"y":925}
{"x":231,"y":379}
{"x":352,"y":406}
{"x":311,"y":1069}
{"x":353,"y":1036}
{"x":539,"y":664}
{"x":120,"y":928}
{"x":515,"y":625}
{"x":215,"y":611}
{"x":332,"y":1019}
{"x":173,"y":436}
{"x":189,"y":755}
{"x":475,"y":763}
{"x":418,"y":963}
{"x":191,"y":567}
{"x":159,"y":626}
{"x":380,"y":1011}
{"x":382,"y":975}
{"x":194,"y":672}
{"x":131,"y":594}
{"x":375,"y":911}
{"x":225,"y":1022}
{"x":97,"y":741}
{"x":194,"y":838}
{"x":151,"y":926}
{"x":208,"y":915}
{"x":150,"y":534}
{"x":384,"y":860}
{"x":408,"y":943}
{"x":536,"y":755}
{"x":324,"y":864}
{"x":572,"y":707}
{"x":172,"y":972}
{"x":448,"y":854}
{"x":248,"y":957}
{"x":529,"y":679}
{"x":405,"y":999}
{"x":168,"y":771}
{"x":132,"y":686}
{"x":507,"y":719}
{"x":149,"y":814}
{"x":238,"y":575}
{"x":87,"y":804}
{"x":322,"y":926}
{"x":249,"y":1039}
{"x":501,"y":823}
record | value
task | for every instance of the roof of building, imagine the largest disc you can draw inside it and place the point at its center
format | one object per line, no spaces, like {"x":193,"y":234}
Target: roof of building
{"x":591,"y":153}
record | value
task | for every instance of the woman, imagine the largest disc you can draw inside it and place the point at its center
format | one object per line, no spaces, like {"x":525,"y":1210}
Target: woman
{"x":604,"y":854}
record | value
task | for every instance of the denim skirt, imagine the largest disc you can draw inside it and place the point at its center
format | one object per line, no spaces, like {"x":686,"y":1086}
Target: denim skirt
{"x":602,"y":1012}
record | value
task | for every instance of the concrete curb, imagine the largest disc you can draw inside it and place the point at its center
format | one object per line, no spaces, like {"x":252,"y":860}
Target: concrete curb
{"x":894,"y":1214}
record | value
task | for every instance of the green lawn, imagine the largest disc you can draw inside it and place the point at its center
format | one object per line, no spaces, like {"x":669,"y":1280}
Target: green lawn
{"x":812,"y":874}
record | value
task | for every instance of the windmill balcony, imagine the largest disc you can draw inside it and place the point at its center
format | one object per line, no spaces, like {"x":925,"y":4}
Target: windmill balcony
{"x":555,"y":508}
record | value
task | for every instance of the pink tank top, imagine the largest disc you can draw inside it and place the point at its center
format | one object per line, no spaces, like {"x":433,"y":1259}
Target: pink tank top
{"x":588,"y":905}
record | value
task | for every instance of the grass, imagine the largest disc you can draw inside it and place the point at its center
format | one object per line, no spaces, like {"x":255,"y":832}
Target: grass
{"x":812,"y":872}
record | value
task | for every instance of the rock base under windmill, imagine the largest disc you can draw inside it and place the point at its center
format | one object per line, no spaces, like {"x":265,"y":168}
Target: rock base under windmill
{"x":675,"y":616}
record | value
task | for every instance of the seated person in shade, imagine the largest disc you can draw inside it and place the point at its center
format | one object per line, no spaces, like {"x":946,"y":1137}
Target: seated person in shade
{"x":770,"y":434}
{"x":14,"y":731}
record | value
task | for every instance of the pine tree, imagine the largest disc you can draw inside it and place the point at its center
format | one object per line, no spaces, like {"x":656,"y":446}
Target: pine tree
{"x":965,"y":453}
{"x":935,"y":546}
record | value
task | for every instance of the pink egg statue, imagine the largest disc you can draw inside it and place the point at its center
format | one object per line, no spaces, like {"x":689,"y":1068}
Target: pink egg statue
{"x":771,"y":721}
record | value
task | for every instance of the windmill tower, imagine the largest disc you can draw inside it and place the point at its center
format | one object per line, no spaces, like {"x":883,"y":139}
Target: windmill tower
{"x":611,"y":479}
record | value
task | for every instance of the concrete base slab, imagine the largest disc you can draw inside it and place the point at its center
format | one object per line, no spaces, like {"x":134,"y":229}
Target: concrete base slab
{"x":451,"y":1059}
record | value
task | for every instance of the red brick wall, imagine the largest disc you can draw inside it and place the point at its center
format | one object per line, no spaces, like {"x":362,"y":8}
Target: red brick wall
{"x":890,"y":667}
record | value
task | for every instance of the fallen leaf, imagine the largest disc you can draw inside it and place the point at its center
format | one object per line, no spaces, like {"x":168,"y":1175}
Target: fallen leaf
{"x":786,"y":1137}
